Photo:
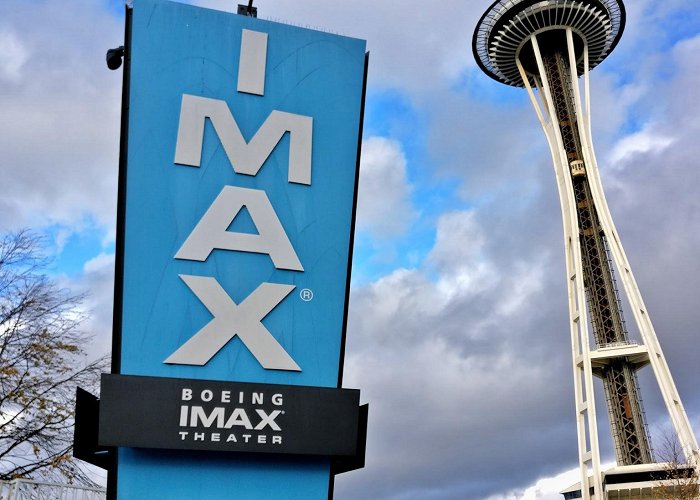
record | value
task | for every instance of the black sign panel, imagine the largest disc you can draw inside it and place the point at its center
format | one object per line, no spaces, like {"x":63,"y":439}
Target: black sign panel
{"x":186,"y":414}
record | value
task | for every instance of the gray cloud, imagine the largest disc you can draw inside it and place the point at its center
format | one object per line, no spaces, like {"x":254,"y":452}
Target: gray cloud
{"x":453,"y":380}
{"x":462,"y":362}
{"x":59,"y":133}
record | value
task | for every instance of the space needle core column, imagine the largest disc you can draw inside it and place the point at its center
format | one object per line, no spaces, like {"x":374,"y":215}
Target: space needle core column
{"x":547,"y":45}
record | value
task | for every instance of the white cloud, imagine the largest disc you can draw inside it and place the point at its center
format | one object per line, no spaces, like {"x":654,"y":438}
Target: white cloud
{"x":547,"y":488}
{"x":384,"y":207}
{"x":99,"y":263}
{"x":97,"y":281}
{"x":13,"y":56}
{"x":458,"y":255}
{"x":644,"y":141}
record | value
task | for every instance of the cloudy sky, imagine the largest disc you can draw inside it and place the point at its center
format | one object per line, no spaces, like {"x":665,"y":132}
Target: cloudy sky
{"x":458,"y":333}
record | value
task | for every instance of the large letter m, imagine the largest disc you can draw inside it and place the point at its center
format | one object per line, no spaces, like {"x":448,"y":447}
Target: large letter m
{"x":245,"y":157}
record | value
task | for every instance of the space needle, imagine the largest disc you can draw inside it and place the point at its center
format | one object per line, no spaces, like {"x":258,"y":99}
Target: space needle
{"x":545,"y":47}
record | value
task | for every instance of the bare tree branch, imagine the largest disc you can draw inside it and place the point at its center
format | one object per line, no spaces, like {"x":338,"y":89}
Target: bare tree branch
{"x":42,"y":360}
{"x":681,"y":479}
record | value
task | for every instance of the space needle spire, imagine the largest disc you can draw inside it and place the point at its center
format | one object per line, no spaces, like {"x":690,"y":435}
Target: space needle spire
{"x":547,"y":45}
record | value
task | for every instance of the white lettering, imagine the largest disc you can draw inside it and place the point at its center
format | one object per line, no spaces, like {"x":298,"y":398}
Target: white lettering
{"x":231,"y":319}
{"x":186,"y":394}
{"x":245,"y":157}
{"x":198,"y":414}
{"x":251,"y":63}
{"x":238,"y":417}
{"x":211,"y":231}
{"x":183,"y":416}
{"x":268,"y":420}
{"x":277,"y":399}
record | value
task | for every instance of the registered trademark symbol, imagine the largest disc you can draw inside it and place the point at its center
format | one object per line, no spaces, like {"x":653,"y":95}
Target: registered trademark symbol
{"x":306,"y":295}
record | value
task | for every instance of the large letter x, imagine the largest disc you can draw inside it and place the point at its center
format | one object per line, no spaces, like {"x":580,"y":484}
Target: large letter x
{"x":231,"y":319}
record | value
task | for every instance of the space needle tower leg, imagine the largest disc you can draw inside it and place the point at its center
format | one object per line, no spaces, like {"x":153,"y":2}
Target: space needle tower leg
{"x":654,"y":355}
{"x":547,"y":45}
{"x":589,"y":454}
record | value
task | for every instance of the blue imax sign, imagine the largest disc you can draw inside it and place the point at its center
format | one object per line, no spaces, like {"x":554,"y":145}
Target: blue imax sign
{"x":242,"y":162}
{"x":238,"y":196}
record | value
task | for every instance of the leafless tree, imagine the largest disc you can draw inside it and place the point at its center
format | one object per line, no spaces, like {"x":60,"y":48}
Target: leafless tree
{"x":42,"y":360}
{"x":681,"y":478}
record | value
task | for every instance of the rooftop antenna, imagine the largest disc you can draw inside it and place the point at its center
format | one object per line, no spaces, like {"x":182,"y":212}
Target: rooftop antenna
{"x":248,"y":10}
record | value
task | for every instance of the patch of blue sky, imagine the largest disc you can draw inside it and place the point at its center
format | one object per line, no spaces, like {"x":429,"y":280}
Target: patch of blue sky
{"x":679,"y":24}
{"x":365,"y":265}
{"x":390,"y":114}
{"x":70,"y":248}
{"x":115,"y":6}
{"x":387,"y":111}
{"x":679,"y":27}
{"x":475,"y":83}
{"x":373,"y":259}
{"x":636,"y":117}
